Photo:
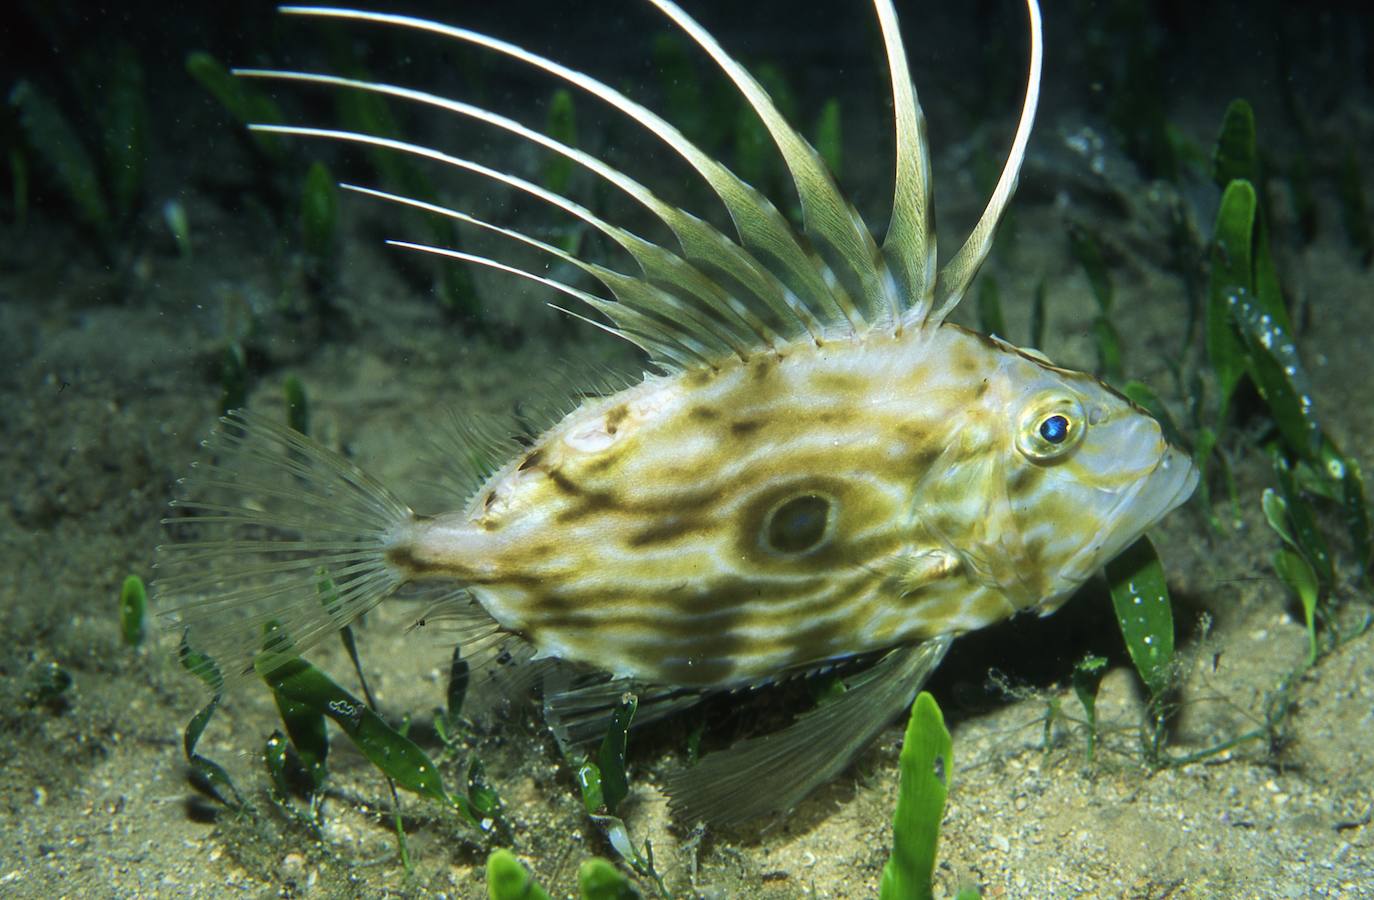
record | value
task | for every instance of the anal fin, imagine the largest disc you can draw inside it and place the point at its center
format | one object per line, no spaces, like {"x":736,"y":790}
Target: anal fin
{"x":579,"y":714}
{"x":777,"y":771}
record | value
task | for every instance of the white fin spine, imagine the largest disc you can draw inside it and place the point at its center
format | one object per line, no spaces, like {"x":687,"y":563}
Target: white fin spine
{"x":622,"y":314}
{"x":824,"y":211}
{"x":633,"y":292}
{"x":681,"y":352}
{"x":910,"y":245}
{"x":690,"y":231}
{"x":762,"y":228}
{"x":898,"y":284}
{"x":959,"y":272}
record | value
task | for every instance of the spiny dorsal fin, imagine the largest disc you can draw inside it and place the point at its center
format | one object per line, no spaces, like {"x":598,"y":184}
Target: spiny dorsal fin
{"x":824,"y":210}
{"x":700,"y":241}
{"x":798,"y":287}
{"x":779,"y":289}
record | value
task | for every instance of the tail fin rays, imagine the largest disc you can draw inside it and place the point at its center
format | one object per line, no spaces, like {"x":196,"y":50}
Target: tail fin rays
{"x":240,"y":596}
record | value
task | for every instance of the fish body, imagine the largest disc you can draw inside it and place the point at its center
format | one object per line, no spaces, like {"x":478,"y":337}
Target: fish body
{"x":717,"y":528}
{"x":818,"y":467}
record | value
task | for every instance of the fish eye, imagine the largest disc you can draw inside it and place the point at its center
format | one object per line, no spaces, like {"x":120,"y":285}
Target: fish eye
{"x":798,"y":525}
{"x":1054,"y":428}
{"x":1051,"y":426}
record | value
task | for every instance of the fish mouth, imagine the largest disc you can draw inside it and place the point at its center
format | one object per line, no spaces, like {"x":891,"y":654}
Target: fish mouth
{"x":1168,"y":485}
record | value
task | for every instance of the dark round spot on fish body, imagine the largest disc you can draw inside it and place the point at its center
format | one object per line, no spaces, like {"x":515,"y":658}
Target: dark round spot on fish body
{"x":855,"y":507}
{"x":798,"y":525}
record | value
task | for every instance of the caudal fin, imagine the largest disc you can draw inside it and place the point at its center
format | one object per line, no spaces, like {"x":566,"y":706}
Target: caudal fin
{"x":275,"y":543}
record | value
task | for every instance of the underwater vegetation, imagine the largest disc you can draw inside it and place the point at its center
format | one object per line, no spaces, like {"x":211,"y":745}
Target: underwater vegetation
{"x":101,"y":179}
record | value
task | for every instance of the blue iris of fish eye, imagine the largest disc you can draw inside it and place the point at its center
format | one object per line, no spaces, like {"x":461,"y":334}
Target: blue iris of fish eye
{"x":1055,"y":429}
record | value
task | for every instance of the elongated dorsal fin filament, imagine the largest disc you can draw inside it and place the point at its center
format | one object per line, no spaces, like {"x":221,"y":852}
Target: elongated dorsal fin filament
{"x":762,"y":229}
{"x":958,"y":273}
{"x":714,"y":296}
{"x":910,"y":245}
{"x":824,"y":210}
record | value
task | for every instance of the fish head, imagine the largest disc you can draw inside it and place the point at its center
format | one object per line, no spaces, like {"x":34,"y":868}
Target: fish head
{"x":1076,"y":473}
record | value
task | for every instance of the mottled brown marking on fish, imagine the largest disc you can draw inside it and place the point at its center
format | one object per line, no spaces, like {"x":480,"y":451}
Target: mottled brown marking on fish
{"x":744,"y":427}
{"x":841,"y":384}
{"x":671,"y":529}
{"x":403,"y":557}
{"x":1024,"y":481}
{"x":588,"y":502}
{"x":988,"y":607}
{"x":968,"y":365}
{"x":836,"y":417}
{"x":615,"y":417}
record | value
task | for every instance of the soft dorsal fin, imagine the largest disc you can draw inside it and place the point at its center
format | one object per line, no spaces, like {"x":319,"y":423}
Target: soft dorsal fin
{"x":775,"y":287}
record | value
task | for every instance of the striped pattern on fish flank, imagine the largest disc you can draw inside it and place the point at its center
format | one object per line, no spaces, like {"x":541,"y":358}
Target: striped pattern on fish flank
{"x":663,"y":496}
